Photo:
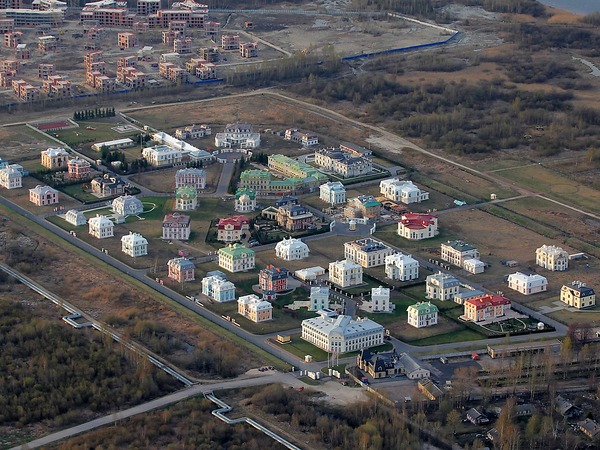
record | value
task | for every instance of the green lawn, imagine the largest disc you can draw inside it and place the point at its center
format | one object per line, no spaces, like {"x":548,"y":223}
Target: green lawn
{"x":449,"y":338}
{"x":78,"y":192}
{"x":103,"y":132}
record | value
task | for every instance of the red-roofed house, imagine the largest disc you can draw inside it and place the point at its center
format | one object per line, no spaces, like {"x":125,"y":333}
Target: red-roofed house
{"x":415,"y":226}
{"x":273,"y":279}
{"x":486,"y":307}
{"x":231,"y":229}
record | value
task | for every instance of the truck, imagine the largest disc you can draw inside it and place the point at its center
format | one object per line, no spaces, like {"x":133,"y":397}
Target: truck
{"x":365,"y":380}
{"x":474,"y":356}
{"x":443,"y":360}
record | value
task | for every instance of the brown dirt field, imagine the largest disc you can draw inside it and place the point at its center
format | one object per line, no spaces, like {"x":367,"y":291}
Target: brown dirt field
{"x":100,"y":293}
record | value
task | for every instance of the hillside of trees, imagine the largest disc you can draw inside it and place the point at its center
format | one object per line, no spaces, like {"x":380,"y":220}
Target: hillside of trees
{"x":51,"y":372}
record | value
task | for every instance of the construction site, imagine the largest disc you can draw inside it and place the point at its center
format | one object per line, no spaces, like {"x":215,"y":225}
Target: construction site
{"x":55,"y":52}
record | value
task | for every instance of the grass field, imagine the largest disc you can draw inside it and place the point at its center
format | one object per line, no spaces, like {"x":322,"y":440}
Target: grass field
{"x":76,"y":136}
{"x":449,"y":338}
{"x":163,"y":181}
{"x":544,"y":180}
{"x":21,"y":198}
{"x":78,"y":192}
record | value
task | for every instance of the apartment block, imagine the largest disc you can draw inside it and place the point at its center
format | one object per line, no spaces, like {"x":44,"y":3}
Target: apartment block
{"x":131,"y":77}
{"x":9,"y":65}
{"x":182,"y":45}
{"x":56,"y":86}
{"x":25,"y":91}
{"x":249,"y":50}
{"x":127,"y":61}
{"x":13,"y":39}
{"x":230,"y":42}
{"x":209,"y":54}
{"x":45,"y":70}
{"x":47,"y":43}
{"x":147,"y":7}
{"x":127,"y":40}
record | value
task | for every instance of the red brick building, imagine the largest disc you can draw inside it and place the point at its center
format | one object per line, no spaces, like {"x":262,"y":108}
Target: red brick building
{"x":273,"y":279}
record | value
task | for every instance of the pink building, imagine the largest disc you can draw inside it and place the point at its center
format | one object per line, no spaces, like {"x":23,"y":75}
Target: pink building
{"x":181,"y":270}
{"x":43,"y":195}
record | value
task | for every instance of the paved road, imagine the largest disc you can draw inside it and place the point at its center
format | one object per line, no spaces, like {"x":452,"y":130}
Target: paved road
{"x":160,"y":403}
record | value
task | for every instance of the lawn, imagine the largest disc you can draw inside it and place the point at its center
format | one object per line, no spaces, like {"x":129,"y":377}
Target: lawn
{"x":79,"y":192}
{"x":103,"y":132}
{"x":449,"y":338}
{"x":389,"y":234}
{"x":21,"y":198}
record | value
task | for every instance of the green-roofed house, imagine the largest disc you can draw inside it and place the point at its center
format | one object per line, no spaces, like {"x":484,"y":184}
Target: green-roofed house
{"x":255,"y":179}
{"x":422,"y":314}
{"x":236,"y":258}
{"x":292,"y":168}
{"x":457,"y":252}
{"x":245,"y":200}
{"x":365,"y":204}
{"x":186,"y":198}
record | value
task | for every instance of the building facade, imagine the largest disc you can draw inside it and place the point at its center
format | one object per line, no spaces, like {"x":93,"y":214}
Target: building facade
{"x":402,"y":191}
{"x":578,"y":295}
{"x":345,"y":273}
{"x":236,"y":258}
{"x":401,"y":267}
{"x":181,"y":270}
{"x":108,"y":186}
{"x":273,"y":279}
{"x":75,"y":218}
{"x":441,"y":286}
{"x":333,"y":192}
{"x":53,"y":158}
{"x":101,"y":227}
{"x":43,"y":195}
{"x":416,"y":226}
{"x":552,"y":258}
{"x":186,"y":198}
{"x":486,"y":307}
{"x":219,"y":289}
{"x":79,"y":169}
{"x":367,"y":252}
{"x":127,"y":205}
{"x":319,"y":298}
{"x":134,"y":245}
{"x":341,"y":334}
{"x":231,"y":229}
{"x":305,"y":139}
{"x":161,"y":155}
{"x":291,"y":249}
{"x":380,"y":300}
{"x":342,"y":163}
{"x":11,"y":178}
{"x":245,"y":200}
{"x":294,"y":218}
{"x":527,"y":284}
{"x":238,"y":135}
{"x":422,"y":314}
{"x":455,"y":252}
{"x":190,"y":177}
{"x":176,"y":226}
{"x":255,"y":309}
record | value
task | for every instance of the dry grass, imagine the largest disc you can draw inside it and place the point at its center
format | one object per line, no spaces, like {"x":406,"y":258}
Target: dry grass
{"x":21,"y":198}
{"x":164,"y":180}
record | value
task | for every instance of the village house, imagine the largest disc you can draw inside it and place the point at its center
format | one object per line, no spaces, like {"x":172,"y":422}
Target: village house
{"x":43,"y":195}
{"x":305,"y":139}
{"x":552,"y":258}
{"x":382,"y":365}
{"x":294,"y":218}
{"x":127,"y":205}
{"x":476,"y":418}
{"x":380,"y":300}
{"x":245,"y":200}
{"x":218,"y":288}
{"x":345,"y":273}
{"x":461,"y":297}
{"x":101,"y":227}
{"x":401,"y":267}
{"x":75,"y":218}
{"x":441,"y":286}
{"x":273,"y":279}
{"x":319,"y":298}
{"x":293,"y":168}
{"x":255,"y":179}
{"x":341,"y":334}
{"x":231,"y":229}
{"x":589,"y":427}
{"x":333,"y":192}
{"x":181,"y":270}
{"x":422,"y":314}
{"x":236,"y":258}
{"x":193,"y":132}
{"x":134,"y":245}
{"x":473,"y":265}
{"x":291,"y":249}
{"x":162,"y":155}
{"x":79,"y":169}
{"x":190,"y":177}
{"x":402,"y":191}
{"x":310,"y":273}
{"x":107,"y":186}
{"x":430,"y":389}
{"x":54,"y":157}
{"x":416,"y":226}
{"x":11,"y":177}
{"x":238,"y":135}
{"x":255,"y":309}
{"x":186,"y":198}
{"x":455,"y":252}
{"x":176,"y":226}
{"x":367,"y":252}
{"x":527,"y":284}
{"x":566,"y":408}
{"x":488,"y":306}
{"x":362,"y":206}
{"x":578,"y":295}
{"x":342,"y":163}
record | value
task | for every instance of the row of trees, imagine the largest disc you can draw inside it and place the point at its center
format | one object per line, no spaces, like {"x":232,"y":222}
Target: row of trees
{"x":94,"y":113}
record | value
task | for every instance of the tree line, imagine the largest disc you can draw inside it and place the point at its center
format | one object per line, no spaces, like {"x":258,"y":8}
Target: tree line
{"x":94,"y":113}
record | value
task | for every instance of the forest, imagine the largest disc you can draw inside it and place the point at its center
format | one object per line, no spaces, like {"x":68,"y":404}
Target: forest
{"x":52,"y":372}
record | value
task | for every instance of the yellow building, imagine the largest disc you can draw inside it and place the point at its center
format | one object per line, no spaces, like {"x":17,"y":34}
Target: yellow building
{"x":578,"y":295}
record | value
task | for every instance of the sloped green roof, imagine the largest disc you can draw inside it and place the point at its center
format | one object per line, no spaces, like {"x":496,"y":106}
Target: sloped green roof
{"x":245,"y":190}
{"x":236,"y":251}
{"x":186,"y":192}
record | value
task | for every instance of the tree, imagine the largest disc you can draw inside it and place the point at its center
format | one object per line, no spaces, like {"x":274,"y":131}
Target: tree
{"x":453,"y":420}
{"x":532,"y":430}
